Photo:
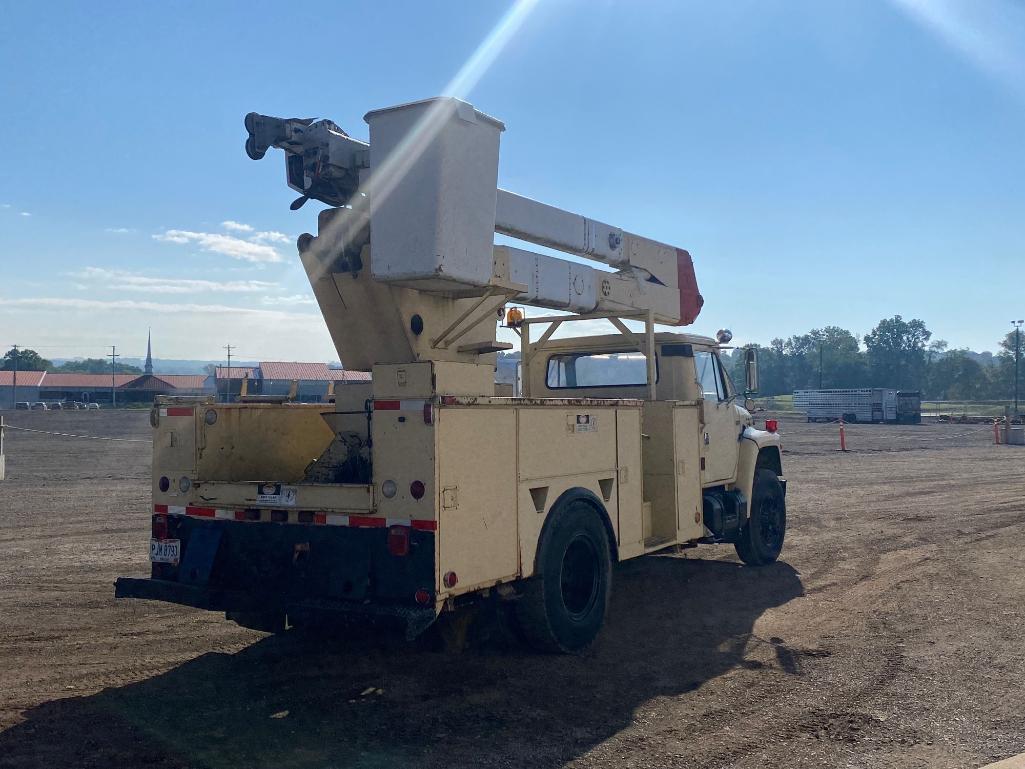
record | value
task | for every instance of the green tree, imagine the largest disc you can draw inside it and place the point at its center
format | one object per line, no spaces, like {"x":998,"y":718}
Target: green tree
{"x":1003,"y":374}
{"x":28,"y":360}
{"x":896,"y":352}
{"x":956,"y":376}
{"x":96,"y":366}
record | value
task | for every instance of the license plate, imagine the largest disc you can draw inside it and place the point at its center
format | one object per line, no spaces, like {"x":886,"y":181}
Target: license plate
{"x":165,"y":550}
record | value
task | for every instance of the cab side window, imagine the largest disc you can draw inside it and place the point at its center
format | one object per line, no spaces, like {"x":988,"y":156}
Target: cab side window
{"x":709,"y":376}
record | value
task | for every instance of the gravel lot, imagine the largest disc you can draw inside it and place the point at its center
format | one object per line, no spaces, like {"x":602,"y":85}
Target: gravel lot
{"x":890,"y":635}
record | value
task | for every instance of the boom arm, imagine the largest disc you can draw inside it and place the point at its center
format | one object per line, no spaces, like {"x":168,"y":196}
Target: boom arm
{"x":418,"y":207}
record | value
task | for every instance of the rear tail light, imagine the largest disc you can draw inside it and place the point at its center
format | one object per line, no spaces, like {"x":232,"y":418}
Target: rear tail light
{"x":422,"y":597}
{"x":160,"y":527}
{"x":771,"y":425}
{"x":165,"y":483}
{"x":450,"y":579}
{"x":417,"y":489}
{"x":398,"y":540}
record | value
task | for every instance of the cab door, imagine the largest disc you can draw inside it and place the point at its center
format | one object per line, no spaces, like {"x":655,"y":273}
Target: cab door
{"x":720,"y":428}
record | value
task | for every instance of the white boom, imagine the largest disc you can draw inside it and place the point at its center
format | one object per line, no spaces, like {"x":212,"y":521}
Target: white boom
{"x":430,"y":173}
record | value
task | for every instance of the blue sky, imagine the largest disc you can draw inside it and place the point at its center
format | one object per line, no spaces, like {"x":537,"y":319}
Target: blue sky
{"x":824,"y":162}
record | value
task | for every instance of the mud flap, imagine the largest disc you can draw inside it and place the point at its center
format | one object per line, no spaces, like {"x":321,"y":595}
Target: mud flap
{"x":199,"y":556}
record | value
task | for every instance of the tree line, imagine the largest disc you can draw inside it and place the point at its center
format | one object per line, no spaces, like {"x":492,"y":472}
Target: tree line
{"x":30,"y":360}
{"x":896,"y":353}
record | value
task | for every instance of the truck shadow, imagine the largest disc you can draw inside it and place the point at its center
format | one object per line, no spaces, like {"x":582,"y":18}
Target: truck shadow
{"x":291,"y":701}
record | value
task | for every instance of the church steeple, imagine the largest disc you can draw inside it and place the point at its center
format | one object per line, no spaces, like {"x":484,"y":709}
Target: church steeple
{"x":149,"y":353}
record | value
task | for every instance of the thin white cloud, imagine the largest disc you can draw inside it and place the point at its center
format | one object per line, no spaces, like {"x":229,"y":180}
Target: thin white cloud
{"x":290,"y":300}
{"x":270,"y":237}
{"x":5,"y":205}
{"x":97,"y":305}
{"x":119,"y":230}
{"x":25,"y":213}
{"x":122,"y":280}
{"x":233,"y":226}
{"x":226,"y":245}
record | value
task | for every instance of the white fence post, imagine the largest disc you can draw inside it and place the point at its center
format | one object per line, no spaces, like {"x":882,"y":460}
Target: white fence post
{"x":3,"y":459}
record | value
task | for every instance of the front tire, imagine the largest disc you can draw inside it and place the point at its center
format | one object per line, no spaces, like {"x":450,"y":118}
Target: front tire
{"x":562,"y":608}
{"x":761,"y":538}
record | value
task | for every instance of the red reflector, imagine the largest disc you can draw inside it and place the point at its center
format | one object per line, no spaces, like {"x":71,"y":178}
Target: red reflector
{"x":450,"y":579}
{"x":387,"y":405}
{"x":423,"y":597}
{"x":160,"y":526}
{"x":240,"y":515}
{"x":428,"y":413}
{"x":398,"y":540}
{"x":771,"y":425}
{"x":180,"y":412}
{"x":417,"y":489}
{"x":159,"y":508}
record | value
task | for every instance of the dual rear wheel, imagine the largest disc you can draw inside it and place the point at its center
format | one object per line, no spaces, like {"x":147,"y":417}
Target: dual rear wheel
{"x":562,"y":608}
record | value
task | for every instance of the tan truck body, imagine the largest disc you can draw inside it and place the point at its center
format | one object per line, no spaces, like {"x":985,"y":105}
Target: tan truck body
{"x":422,"y":489}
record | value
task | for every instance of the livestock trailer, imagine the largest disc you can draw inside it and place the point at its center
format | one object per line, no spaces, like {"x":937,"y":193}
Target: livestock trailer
{"x":858,"y":404}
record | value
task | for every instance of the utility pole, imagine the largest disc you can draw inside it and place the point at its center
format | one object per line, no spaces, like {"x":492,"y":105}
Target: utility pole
{"x":14,"y":380}
{"x":227,"y":387}
{"x":1017,"y":355}
{"x":113,"y":367}
{"x":820,"y":364}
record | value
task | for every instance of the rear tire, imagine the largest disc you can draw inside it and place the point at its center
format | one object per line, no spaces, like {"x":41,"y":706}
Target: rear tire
{"x":562,"y":608}
{"x":761,"y":538}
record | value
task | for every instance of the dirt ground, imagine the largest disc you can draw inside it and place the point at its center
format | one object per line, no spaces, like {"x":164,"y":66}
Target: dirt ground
{"x":889,"y":635}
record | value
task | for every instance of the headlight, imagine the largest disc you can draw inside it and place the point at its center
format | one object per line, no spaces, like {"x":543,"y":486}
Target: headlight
{"x":184,"y":484}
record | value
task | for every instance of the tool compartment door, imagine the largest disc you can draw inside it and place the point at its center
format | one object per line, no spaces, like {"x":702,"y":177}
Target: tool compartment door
{"x":174,"y":444}
{"x":477,"y":527}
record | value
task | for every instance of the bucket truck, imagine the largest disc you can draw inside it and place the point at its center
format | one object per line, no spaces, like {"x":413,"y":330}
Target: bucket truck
{"x":420,"y":491}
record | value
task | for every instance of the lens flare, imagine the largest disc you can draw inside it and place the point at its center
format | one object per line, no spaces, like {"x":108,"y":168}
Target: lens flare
{"x":386,"y":176}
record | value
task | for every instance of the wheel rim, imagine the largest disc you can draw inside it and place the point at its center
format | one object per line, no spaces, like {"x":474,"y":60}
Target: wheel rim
{"x":579,"y":577}
{"x":771,"y":523}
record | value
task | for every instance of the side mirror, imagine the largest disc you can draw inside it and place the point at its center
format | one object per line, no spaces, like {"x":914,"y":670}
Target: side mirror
{"x":751,"y":370}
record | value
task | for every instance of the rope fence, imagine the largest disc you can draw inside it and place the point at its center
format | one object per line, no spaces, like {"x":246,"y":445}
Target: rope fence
{"x":73,"y":435}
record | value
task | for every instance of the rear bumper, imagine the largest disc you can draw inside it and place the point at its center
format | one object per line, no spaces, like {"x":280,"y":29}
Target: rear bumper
{"x":413,"y":620}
